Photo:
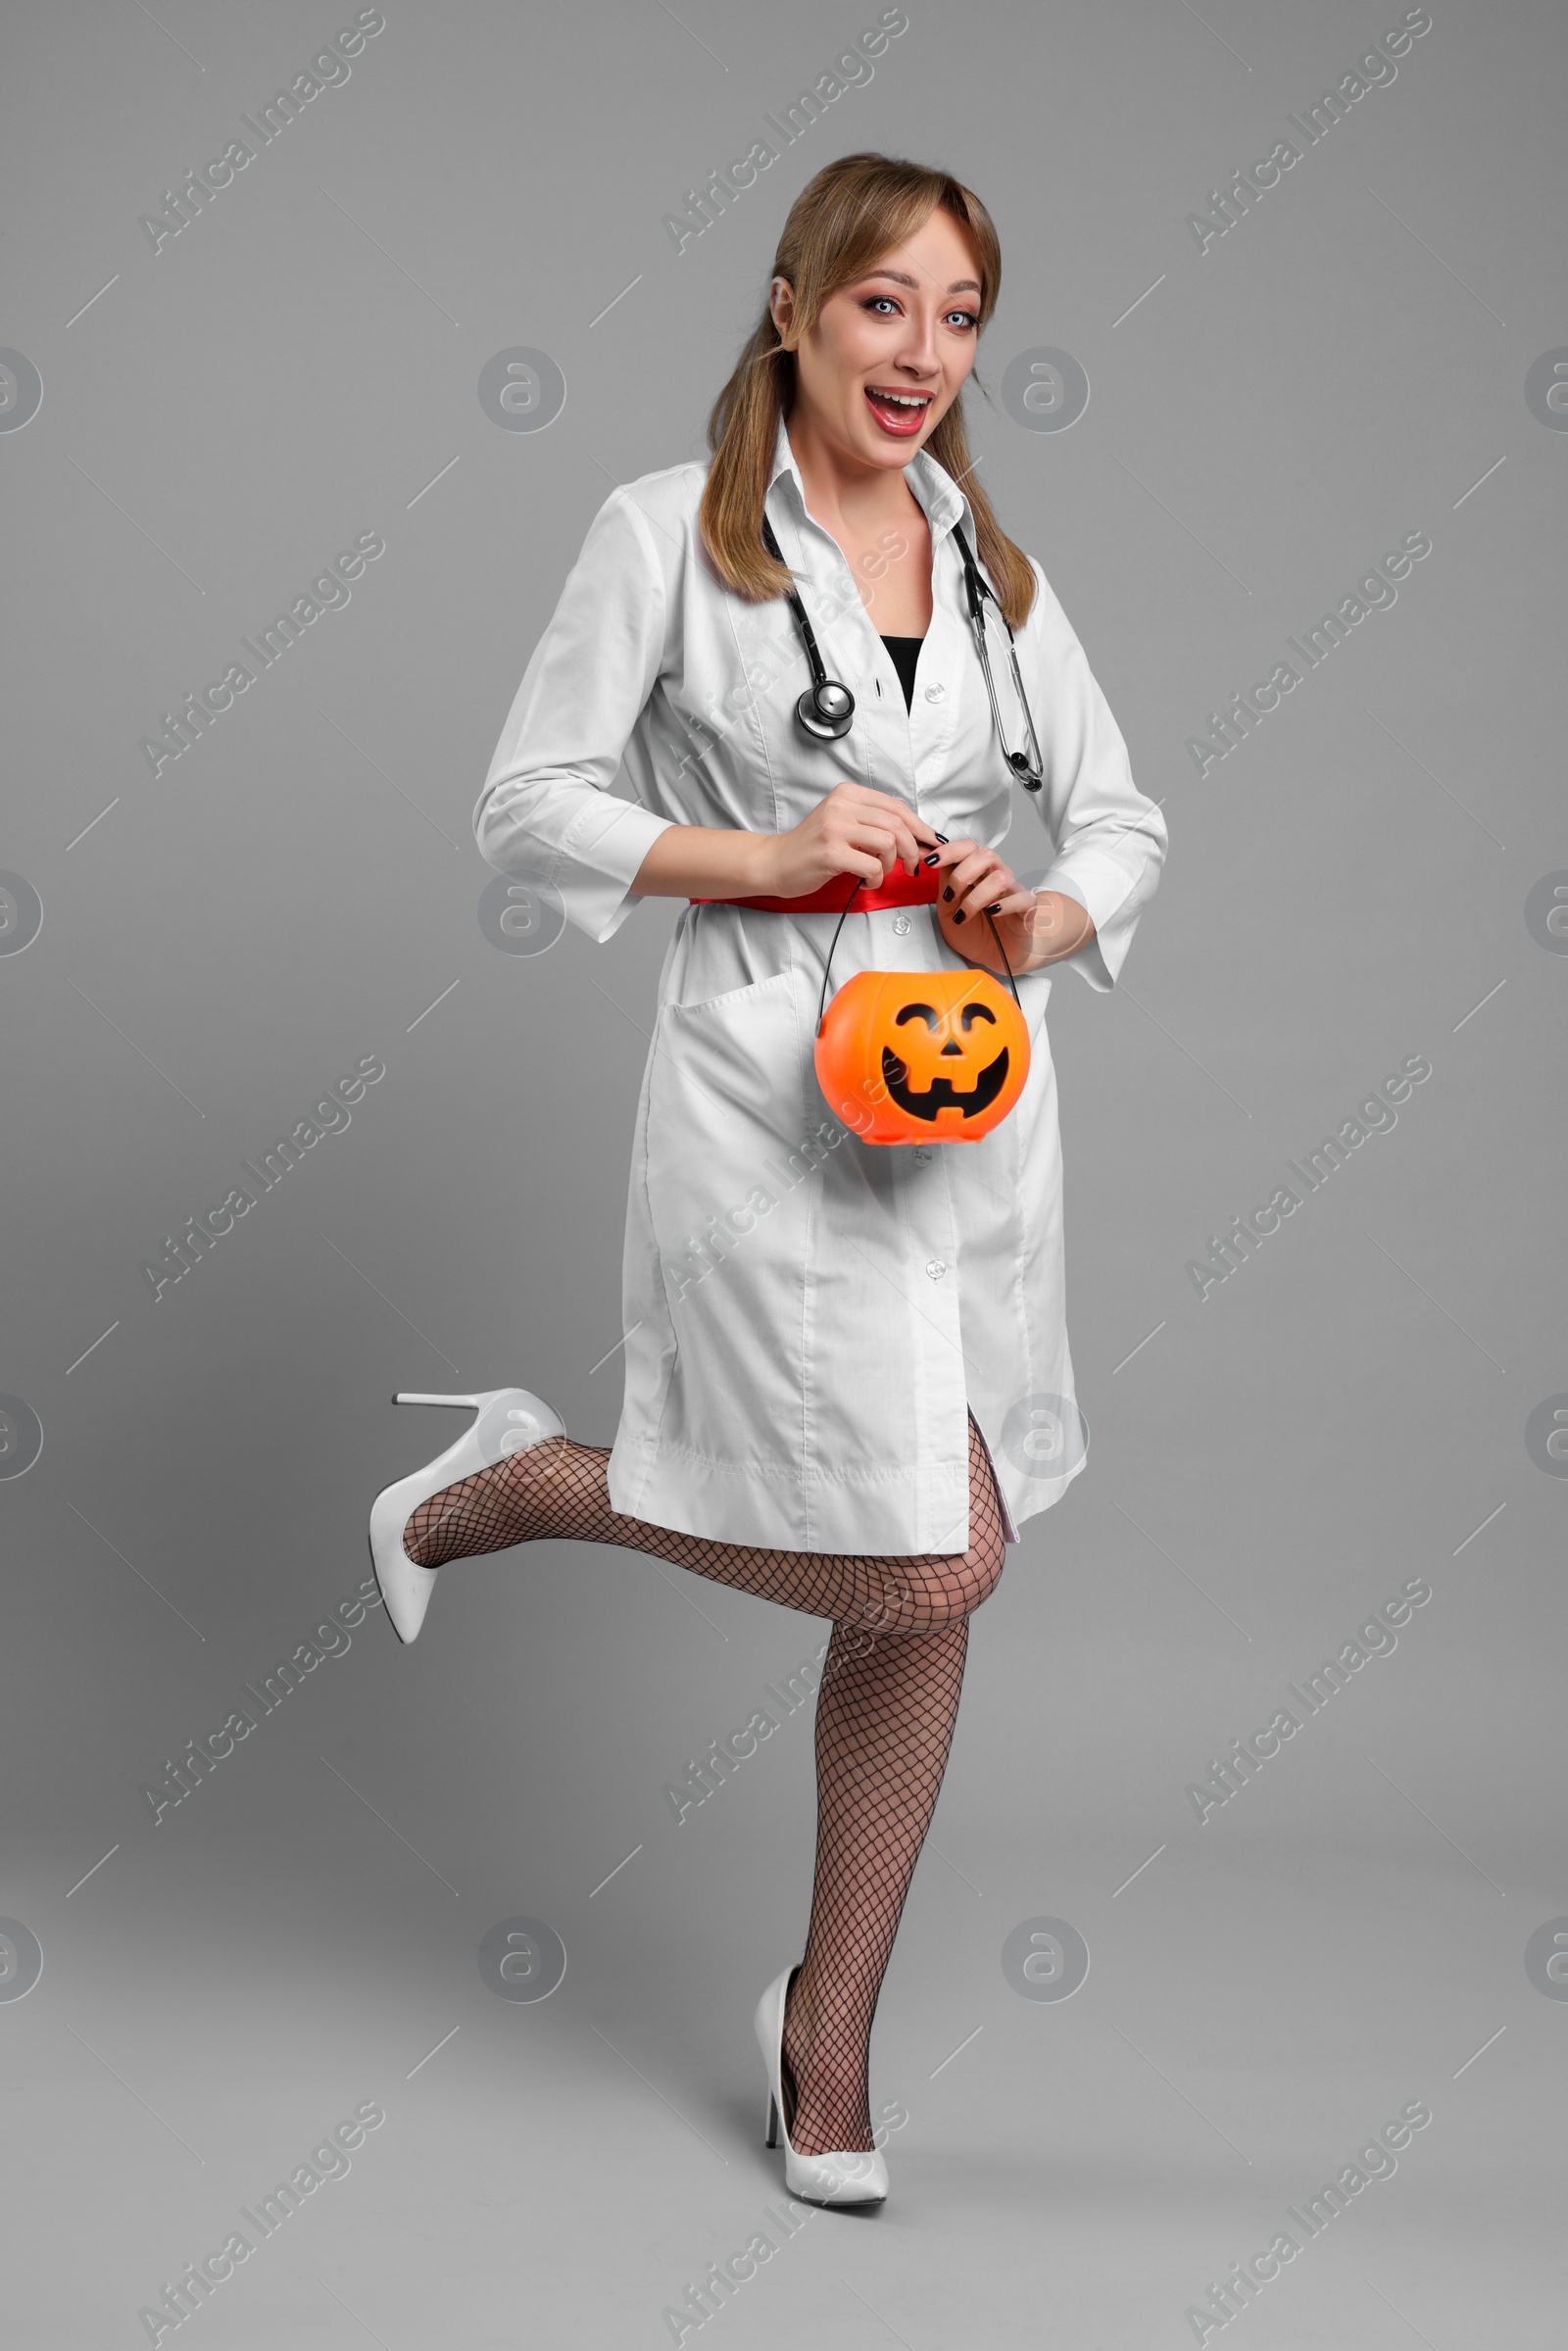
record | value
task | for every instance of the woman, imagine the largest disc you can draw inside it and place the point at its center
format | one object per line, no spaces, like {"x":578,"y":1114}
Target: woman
{"x":839,"y":1357}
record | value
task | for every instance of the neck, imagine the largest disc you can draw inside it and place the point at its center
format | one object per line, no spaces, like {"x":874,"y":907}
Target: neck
{"x":842,"y":491}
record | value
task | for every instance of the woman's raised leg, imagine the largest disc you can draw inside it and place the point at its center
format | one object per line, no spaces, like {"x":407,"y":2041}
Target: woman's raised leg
{"x":560,"y":1489}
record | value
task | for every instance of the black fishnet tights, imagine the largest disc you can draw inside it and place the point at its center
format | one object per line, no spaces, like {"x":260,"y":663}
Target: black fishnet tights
{"x":884,"y":1722}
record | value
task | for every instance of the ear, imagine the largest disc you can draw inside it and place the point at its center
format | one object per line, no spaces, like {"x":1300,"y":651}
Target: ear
{"x":781,"y":306}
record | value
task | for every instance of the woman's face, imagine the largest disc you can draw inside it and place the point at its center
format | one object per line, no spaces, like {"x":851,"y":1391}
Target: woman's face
{"x":906,"y":328}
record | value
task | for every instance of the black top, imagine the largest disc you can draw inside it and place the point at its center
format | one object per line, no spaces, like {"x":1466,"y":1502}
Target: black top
{"x":906,"y":651}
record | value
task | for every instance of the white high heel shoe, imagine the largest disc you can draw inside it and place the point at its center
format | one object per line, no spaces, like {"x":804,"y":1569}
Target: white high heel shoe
{"x":510,"y":1421}
{"x":839,"y":2177}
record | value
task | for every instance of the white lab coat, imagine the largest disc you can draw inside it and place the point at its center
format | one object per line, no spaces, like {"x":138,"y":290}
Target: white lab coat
{"x":808,"y":1316}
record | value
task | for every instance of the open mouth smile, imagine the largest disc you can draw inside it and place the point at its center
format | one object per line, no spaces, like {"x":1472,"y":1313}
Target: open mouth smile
{"x":940,"y":1095}
{"x":899,"y":414}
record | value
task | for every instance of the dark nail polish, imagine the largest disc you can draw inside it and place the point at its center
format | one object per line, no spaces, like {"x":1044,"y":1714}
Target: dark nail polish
{"x":996,"y":909}
{"x":942,"y":838}
{"x":931,"y":859}
{"x":958,"y":918}
{"x":947,"y":893}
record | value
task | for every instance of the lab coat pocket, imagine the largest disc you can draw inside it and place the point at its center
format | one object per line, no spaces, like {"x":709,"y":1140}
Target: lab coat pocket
{"x":731,"y":1138}
{"x":724,"y":1096}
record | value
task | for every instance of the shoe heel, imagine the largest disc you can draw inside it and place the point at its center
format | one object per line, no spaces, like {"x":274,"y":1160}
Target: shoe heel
{"x":771,"y":2138}
{"x":510,"y":1420}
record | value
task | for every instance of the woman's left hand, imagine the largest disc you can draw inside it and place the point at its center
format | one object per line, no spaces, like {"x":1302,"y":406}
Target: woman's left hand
{"x":1035,"y":926}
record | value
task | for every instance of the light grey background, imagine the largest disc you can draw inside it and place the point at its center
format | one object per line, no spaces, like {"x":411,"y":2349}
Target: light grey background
{"x":1345,"y":889}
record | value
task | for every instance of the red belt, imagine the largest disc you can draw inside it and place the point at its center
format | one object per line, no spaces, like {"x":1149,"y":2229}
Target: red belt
{"x":901,"y":889}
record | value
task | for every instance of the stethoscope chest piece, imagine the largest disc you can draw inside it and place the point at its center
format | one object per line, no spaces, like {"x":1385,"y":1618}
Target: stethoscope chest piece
{"x":826,"y":710}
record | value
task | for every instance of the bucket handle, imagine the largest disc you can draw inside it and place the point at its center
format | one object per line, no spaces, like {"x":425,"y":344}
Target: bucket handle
{"x":827,"y":967}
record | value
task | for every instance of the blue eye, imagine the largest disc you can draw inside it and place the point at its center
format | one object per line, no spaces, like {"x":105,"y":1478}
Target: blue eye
{"x":885,"y":306}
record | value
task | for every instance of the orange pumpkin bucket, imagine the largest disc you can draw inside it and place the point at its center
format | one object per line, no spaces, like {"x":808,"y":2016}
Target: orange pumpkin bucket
{"x":922,"y":1057}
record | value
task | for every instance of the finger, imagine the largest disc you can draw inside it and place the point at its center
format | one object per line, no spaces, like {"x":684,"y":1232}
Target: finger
{"x":868,"y":819}
{"x":998,"y":901}
{"x":881,"y":844}
{"x":857,"y":862}
{"x":980,"y":886}
{"x":986,"y":889}
{"x":892,"y":821}
{"x":962,"y":875}
{"x":854,"y":845}
{"x":911,"y":848}
{"x":898,"y":813}
{"x":948,"y":854}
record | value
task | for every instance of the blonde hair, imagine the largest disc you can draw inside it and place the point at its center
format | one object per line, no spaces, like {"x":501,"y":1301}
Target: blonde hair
{"x":853,"y":213}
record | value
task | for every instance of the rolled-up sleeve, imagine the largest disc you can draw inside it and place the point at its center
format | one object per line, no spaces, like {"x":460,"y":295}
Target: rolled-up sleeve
{"x":1108,"y":840}
{"x":547,"y":812}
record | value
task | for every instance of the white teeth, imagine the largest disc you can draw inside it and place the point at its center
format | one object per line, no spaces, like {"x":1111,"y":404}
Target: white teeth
{"x":902,"y":398}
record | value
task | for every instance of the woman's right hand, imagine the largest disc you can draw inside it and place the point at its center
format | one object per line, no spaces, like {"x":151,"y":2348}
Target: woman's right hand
{"x":854,"y":830}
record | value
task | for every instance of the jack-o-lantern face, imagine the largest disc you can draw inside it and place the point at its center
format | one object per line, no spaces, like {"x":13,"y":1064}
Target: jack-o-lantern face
{"x":923,"y":1056}
{"x":949,"y":1060}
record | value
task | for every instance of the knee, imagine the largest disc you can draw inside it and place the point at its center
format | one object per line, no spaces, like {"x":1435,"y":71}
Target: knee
{"x":982,"y":1568}
{"x":945,"y":1589}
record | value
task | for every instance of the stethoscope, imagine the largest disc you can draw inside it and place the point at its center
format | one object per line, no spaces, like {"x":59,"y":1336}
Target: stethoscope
{"x":826,"y":710}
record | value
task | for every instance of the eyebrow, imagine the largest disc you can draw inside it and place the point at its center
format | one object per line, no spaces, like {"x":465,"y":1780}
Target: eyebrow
{"x":959,"y":285}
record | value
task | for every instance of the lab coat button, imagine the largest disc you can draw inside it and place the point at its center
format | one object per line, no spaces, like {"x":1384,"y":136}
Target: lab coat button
{"x":922,"y":1153}
{"x":935,"y":693}
{"x":901,"y":923}
{"x":936,"y":1269}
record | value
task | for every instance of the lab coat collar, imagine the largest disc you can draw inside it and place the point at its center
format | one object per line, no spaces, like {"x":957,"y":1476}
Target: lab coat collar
{"x":933,"y":488}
